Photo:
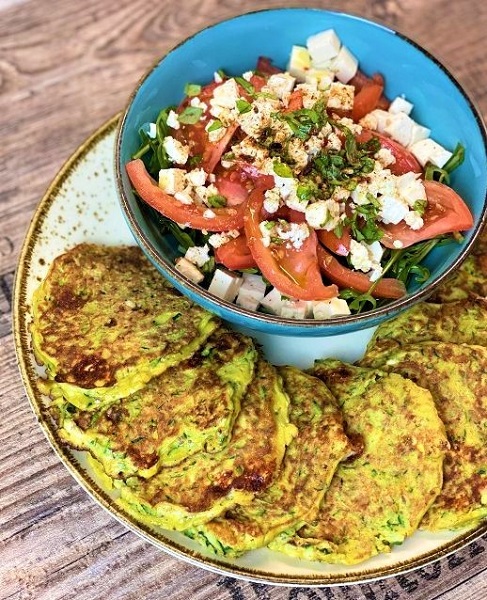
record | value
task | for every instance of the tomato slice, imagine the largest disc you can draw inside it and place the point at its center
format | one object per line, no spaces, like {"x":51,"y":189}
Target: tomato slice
{"x":445,"y":212}
{"x":212,"y":152}
{"x":360,"y":80}
{"x":295,"y":273}
{"x":235,"y":254}
{"x":347,"y":278}
{"x":338,"y":245}
{"x":405,"y":160}
{"x":224,"y":219}
{"x":367,"y":98}
{"x":265,"y":66}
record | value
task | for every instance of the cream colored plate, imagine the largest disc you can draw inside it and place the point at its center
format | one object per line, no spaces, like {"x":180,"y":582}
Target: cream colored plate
{"x":81,"y":205}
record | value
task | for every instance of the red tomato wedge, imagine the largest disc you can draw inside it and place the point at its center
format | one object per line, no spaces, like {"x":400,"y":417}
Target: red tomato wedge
{"x":295,"y":273}
{"x":295,"y":101}
{"x":445,"y":212}
{"x":346,"y":278}
{"x":235,"y":254}
{"x":359,"y":80}
{"x":213,"y":151}
{"x":367,"y":99}
{"x":224,"y":219}
{"x":338,"y":245}
{"x":405,"y":160}
{"x":265,"y":66}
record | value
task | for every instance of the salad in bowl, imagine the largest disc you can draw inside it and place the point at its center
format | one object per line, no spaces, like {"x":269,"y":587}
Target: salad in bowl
{"x":302,"y":192}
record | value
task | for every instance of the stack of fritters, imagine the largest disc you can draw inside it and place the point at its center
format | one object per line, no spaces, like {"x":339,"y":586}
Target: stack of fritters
{"x":198,"y":433}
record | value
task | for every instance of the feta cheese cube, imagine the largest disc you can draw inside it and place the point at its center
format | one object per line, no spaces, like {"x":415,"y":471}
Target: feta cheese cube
{"x":251,"y":292}
{"x":189,"y":270}
{"x":345,"y":65}
{"x":225,"y":284}
{"x":226,"y":94}
{"x":377,"y":119}
{"x":341,"y":96}
{"x":294,"y":309}
{"x":323,"y":47}
{"x":272,"y":302}
{"x":365,"y":257}
{"x":430,"y":151}
{"x":418,"y":133}
{"x":299,"y":62}
{"x":196,"y":177}
{"x":400,"y":104}
{"x":320,"y":78}
{"x":176,"y":151}
{"x":172,"y":180}
{"x":400,"y":128}
{"x":326,"y":309}
{"x":198,"y":255}
{"x":281,"y":84}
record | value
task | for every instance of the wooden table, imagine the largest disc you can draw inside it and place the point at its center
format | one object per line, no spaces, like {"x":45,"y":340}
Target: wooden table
{"x":65,"y":67}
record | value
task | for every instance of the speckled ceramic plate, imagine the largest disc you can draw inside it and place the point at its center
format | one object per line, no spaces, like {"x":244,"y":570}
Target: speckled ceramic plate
{"x":81,"y":205}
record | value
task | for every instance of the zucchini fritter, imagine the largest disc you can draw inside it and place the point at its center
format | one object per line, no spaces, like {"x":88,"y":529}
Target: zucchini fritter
{"x":456,"y":375}
{"x":105,"y":322}
{"x":305,"y":474}
{"x":186,"y":409}
{"x":377,"y":498}
{"x":460,"y":322}
{"x":203,"y":486}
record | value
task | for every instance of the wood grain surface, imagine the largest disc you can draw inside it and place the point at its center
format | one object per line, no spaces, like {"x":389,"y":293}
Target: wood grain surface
{"x":66,"y":66}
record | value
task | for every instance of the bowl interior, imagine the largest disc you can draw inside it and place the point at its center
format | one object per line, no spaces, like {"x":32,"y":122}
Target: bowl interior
{"x":234,"y":46}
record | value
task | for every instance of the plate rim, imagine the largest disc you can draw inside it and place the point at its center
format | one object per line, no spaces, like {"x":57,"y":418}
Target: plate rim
{"x":23,"y":349}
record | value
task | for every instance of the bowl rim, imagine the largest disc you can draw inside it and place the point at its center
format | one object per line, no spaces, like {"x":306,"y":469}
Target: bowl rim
{"x":260,"y":320}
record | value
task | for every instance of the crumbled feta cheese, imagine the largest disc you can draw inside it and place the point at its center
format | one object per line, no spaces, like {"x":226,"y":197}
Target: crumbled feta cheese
{"x":311,"y":94}
{"x":326,"y":309}
{"x":334,"y":142}
{"x":320,"y":79}
{"x":198,"y":255}
{"x":385,"y":157}
{"x":259,"y":117}
{"x":366,"y":257}
{"x":204,"y":192}
{"x":397,"y":244}
{"x":172,"y":180}
{"x":393,"y":210}
{"x":195,"y":102}
{"x":410,"y":188}
{"x":220,"y":239}
{"x":293,"y":233}
{"x":414,"y":220}
{"x":323,"y":47}
{"x":150,"y":129}
{"x":217,"y":78}
{"x":215,"y":135}
{"x":247,"y":75}
{"x":280,"y":84}
{"x":350,"y":124}
{"x":272,"y":200}
{"x":297,"y":153}
{"x":172,"y":120}
{"x":226,"y":94}
{"x":345,"y":65}
{"x":189,"y":270}
{"x":400,"y":104}
{"x":323,"y":214}
{"x":377,"y":119}
{"x":209,"y":214}
{"x":185,"y":196}
{"x":225,"y":284}
{"x":313,"y":145}
{"x":176,"y":151}
{"x":196,"y":177}
{"x":341,"y":96}
{"x":250,"y":151}
{"x":299,"y":62}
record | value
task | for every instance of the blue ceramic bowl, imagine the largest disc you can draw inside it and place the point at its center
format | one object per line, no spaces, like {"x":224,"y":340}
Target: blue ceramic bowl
{"x":234,"y":45}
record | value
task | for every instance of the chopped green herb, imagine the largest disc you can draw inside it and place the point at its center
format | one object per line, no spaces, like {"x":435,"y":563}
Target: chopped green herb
{"x":192,"y":89}
{"x":190,"y":115}
{"x":216,"y":124}
{"x":243,"y":106}
{"x":247,"y":86}
{"x":282,"y":169}
{"x":217,"y":201}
